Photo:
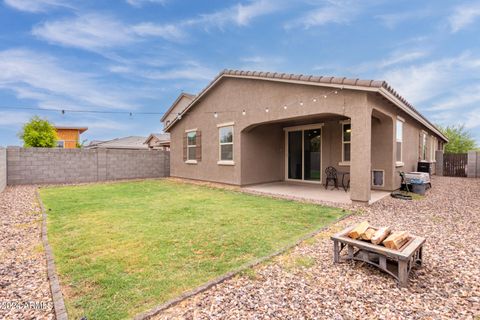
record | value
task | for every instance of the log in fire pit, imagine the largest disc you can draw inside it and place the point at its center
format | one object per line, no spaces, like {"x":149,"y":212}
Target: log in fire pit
{"x":395,"y":253}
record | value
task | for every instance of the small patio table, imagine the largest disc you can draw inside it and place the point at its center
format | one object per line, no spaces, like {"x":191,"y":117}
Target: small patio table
{"x":397,"y":263}
{"x":345,"y":176}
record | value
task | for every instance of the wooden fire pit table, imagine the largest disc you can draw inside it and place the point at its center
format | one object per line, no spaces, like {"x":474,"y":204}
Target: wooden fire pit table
{"x":397,"y":263}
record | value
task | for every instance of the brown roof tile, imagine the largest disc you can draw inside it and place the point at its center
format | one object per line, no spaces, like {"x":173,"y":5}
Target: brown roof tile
{"x":310,"y":78}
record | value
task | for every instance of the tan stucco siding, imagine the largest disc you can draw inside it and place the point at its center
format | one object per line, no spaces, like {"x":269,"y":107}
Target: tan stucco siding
{"x":259,"y":139}
{"x":179,"y":107}
{"x":229,"y":98}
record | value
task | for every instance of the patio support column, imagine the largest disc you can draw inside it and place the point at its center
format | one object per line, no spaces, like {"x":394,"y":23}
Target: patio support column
{"x":360,"y":157}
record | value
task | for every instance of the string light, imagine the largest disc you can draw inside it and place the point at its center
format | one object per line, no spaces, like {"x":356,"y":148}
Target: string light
{"x":314,"y":100}
{"x":301,"y":103}
{"x":244,"y":112}
{"x":325,"y":96}
{"x":266,"y":110}
{"x":284,"y":107}
{"x":215,"y":115}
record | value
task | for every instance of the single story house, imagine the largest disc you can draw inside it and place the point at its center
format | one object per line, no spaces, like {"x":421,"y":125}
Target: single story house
{"x":158,"y":141}
{"x":249,"y":128}
{"x":68,"y":137}
{"x":131,"y":142}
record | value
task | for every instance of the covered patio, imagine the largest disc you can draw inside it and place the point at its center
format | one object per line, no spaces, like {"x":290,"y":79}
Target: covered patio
{"x":310,"y":192}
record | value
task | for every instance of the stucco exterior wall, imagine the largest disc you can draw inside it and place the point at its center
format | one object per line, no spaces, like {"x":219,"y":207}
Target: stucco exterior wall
{"x":259,"y":143}
{"x":179,"y":107}
{"x":229,"y":99}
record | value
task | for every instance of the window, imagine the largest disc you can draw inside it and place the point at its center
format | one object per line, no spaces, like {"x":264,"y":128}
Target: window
{"x":399,"y":139}
{"x":423,"y":146}
{"x":60,"y":144}
{"x":226,"y":144}
{"x":192,"y":146}
{"x":377,"y":178}
{"x":346,"y":139}
{"x":433,"y":149}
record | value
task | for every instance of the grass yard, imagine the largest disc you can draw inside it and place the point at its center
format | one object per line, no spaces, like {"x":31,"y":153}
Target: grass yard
{"x":122,"y":248}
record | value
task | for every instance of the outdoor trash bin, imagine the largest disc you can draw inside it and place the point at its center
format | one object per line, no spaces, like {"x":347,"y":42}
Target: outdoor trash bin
{"x":419,"y":188}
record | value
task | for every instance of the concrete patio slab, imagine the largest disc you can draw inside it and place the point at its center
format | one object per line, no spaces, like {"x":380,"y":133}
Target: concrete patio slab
{"x":313,"y":192}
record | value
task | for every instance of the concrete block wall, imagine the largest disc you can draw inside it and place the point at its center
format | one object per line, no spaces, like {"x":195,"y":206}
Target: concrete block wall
{"x":56,"y":166}
{"x":3,"y":168}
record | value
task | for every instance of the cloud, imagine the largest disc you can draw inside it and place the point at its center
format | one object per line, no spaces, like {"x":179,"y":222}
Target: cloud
{"x":169,"y":31}
{"x":139,"y":3}
{"x":240,"y":14}
{"x":32,"y":75}
{"x":463,"y":16}
{"x":423,"y":82}
{"x":14,"y":118}
{"x":264,"y":63}
{"x":402,"y":57}
{"x":337,"y":12}
{"x":391,"y":20}
{"x":90,"y":32}
{"x":36,"y":6}
{"x":188,"y":71}
{"x":96,"y":32}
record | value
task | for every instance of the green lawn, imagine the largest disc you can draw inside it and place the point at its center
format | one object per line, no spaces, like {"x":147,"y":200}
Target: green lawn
{"x":122,"y":248}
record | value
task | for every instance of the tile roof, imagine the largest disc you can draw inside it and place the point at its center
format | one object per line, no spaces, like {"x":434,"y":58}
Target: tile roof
{"x":300,"y":78}
{"x":131,"y":142}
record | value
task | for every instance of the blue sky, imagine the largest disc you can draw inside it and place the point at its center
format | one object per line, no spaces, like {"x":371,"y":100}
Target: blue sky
{"x":138,"y":55}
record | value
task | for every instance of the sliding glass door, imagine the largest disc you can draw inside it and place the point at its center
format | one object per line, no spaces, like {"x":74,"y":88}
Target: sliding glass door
{"x":303,"y":153}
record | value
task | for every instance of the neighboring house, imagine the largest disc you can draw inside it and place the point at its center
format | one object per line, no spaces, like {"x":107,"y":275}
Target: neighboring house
{"x":132,"y":142}
{"x":158,"y":141}
{"x":69,"y":137}
{"x":254,"y":127}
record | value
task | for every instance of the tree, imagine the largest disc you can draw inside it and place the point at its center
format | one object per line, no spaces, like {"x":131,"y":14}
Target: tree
{"x":38,"y":133}
{"x":459,"y":139}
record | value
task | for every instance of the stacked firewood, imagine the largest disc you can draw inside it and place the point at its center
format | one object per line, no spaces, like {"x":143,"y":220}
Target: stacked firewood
{"x":380,"y":236}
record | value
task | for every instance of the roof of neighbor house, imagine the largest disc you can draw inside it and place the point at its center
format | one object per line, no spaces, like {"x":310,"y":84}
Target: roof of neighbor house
{"x":162,"y":137}
{"x":379,"y":86}
{"x":80,"y":129}
{"x":132,"y":142}
{"x":182,"y":95}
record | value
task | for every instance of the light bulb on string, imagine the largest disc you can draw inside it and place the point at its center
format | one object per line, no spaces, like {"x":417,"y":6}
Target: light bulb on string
{"x":285,"y":107}
{"x":301,"y":103}
{"x":314,"y":99}
{"x":244,"y":112}
{"x":267,"y":110}
{"x":215,"y":115}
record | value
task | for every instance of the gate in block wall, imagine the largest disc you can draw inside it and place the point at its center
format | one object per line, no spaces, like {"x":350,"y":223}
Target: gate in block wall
{"x":455,"y":164}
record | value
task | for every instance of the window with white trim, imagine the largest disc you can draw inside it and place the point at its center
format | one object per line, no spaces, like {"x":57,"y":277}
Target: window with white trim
{"x":60,"y":144}
{"x":399,"y":140}
{"x":191,"y":145}
{"x":346,"y":141}
{"x":423,"y":148}
{"x":226,"y":143}
{"x":433,"y":149}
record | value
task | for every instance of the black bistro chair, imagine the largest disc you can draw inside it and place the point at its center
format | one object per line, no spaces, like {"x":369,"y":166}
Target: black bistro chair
{"x":331,"y":173}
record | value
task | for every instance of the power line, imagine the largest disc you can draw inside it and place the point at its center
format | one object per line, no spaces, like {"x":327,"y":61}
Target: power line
{"x":63,"y":111}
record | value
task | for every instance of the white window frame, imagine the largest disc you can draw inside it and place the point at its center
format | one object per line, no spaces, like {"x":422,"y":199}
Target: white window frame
{"x":191,"y":161}
{"x":303,"y":128}
{"x":423,"y":144}
{"x":402,"y":122}
{"x":383,"y":180}
{"x":63,"y":144}
{"x":433,"y":149}
{"x":220,"y":144}
{"x":343,"y":162}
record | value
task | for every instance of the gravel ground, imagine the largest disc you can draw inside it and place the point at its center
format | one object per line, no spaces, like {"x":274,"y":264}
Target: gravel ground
{"x":305,"y":284}
{"x":24,"y":287}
